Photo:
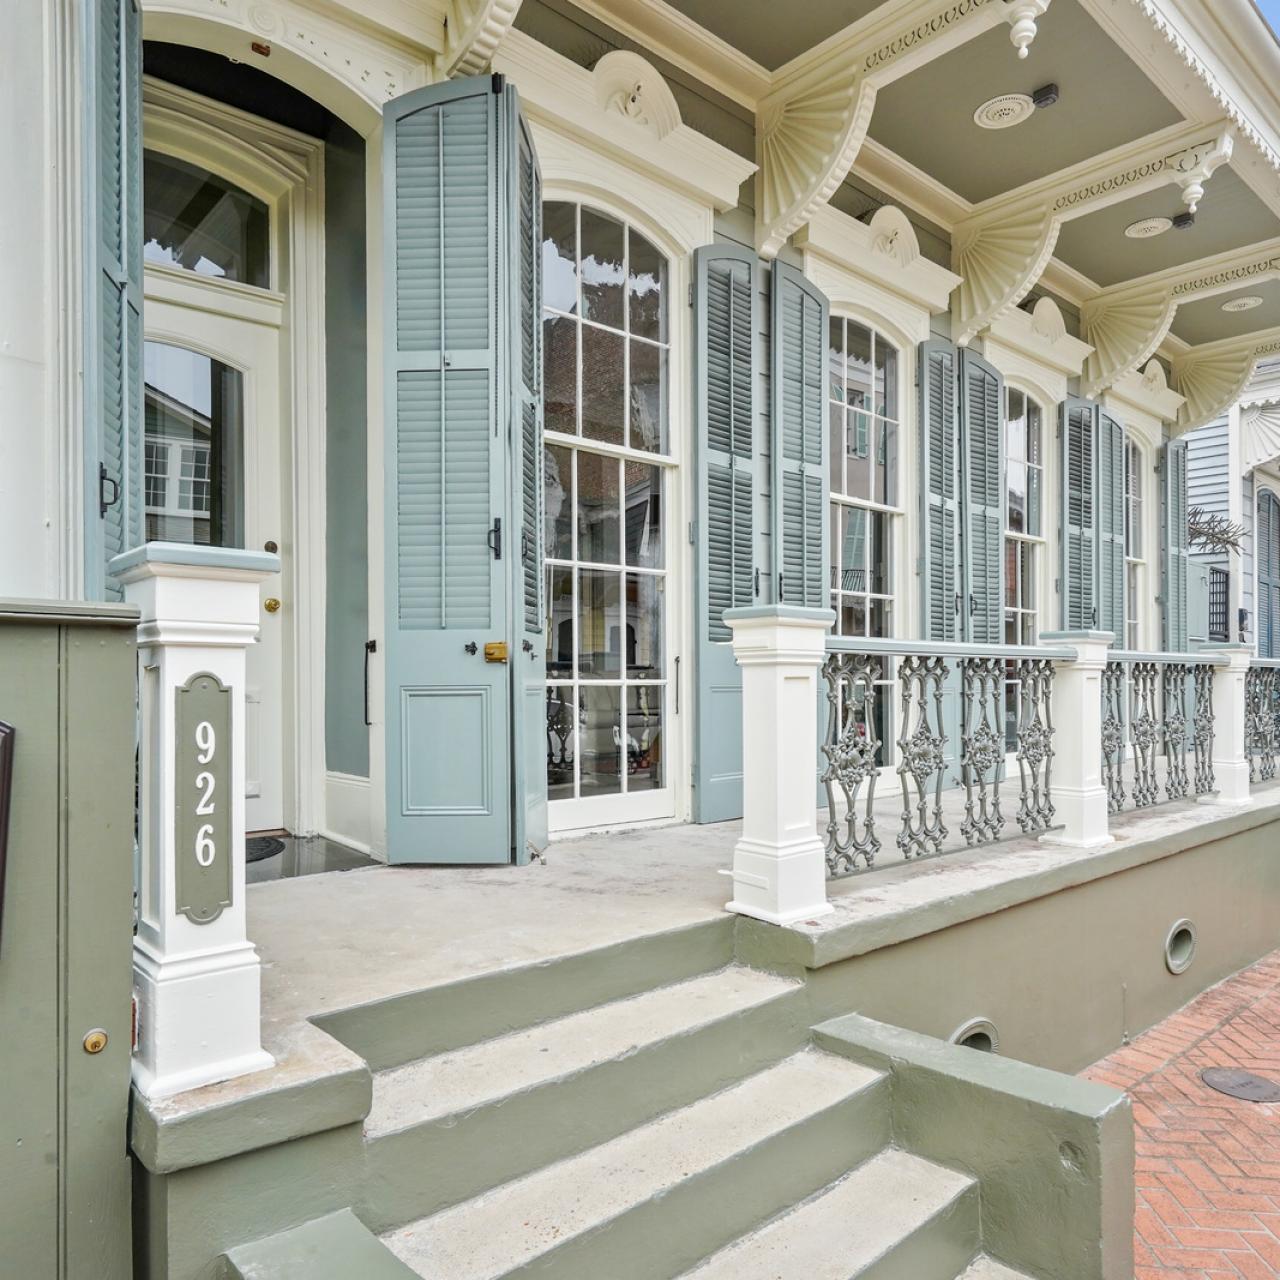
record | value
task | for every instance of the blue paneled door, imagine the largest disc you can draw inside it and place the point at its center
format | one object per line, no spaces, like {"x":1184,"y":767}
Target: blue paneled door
{"x":463,"y":624}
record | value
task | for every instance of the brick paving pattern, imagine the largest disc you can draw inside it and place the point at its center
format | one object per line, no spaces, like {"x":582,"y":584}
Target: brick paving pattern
{"x":1208,"y":1166}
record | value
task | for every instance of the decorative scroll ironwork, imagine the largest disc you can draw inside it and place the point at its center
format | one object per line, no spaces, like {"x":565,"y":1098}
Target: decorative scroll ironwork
{"x":1175,"y":724}
{"x":1113,"y":747}
{"x":1035,"y":743}
{"x":1144,"y":731}
{"x":851,"y":747}
{"x":1202,"y":729}
{"x":982,"y":748}
{"x":1262,"y":722}
{"x":922,"y":763}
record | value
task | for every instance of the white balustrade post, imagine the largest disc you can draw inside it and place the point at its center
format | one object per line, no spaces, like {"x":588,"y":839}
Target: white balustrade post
{"x":779,"y":865}
{"x":196,"y":975}
{"x":1230,"y":722}
{"x":1077,"y":788}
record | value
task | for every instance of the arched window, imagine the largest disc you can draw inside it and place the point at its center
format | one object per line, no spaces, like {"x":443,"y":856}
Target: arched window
{"x":1268,"y":553}
{"x":201,"y":222}
{"x":863,"y":424}
{"x":606,"y":401}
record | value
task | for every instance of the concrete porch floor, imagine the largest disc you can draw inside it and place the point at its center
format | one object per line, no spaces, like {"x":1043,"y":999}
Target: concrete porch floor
{"x":334,"y":941}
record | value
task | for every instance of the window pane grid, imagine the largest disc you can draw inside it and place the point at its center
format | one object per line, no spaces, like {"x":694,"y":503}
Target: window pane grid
{"x":605,"y":566}
{"x":1024,"y":486}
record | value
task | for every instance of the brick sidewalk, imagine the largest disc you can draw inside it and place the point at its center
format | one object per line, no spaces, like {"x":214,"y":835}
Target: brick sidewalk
{"x":1208,"y":1166}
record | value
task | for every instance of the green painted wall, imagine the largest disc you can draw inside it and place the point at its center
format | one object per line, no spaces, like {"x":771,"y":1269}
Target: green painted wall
{"x":346,"y":462}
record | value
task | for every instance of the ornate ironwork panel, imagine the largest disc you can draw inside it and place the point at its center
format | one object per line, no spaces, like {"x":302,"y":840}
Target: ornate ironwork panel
{"x":1035,"y":743}
{"x":1144,"y":731}
{"x":921,"y":762}
{"x":1202,"y":729}
{"x":982,"y":748}
{"x":1176,"y":722}
{"x":850,"y":747}
{"x":1113,"y":747}
{"x":1262,"y":722}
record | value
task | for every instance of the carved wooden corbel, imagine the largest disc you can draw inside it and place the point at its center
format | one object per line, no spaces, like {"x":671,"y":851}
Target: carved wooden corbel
{"x":472,"y":32}
{"x":1125,"y":332}
{"x":999,"y":261}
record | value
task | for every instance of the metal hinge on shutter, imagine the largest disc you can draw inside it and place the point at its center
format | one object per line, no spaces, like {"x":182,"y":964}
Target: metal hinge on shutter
{"x":693,"y":533}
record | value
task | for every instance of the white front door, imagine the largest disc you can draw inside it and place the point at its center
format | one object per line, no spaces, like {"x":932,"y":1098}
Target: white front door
{"x":212,"y":369}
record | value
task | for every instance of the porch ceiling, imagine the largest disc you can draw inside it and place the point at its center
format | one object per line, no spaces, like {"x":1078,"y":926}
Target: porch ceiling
{"x":1230,"y":216}
{"x":1205,"y":321}
{"x":770,"y":34}
{"x":1106,"y":101}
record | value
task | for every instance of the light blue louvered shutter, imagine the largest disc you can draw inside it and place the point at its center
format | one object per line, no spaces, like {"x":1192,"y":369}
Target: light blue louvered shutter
{"x":940,"y":563}
{"x":449,"y":193}
{"x":530,"y":662}
{"x":1078,"y":580}
{"x":982,"y":465}
{"x":798,"y":412}
{"x":114,"y":518}
{"x":1110,"y":520}
{"x":1267,"y":555}
{"x":726,"y":372}
{"x":1176,"y":557}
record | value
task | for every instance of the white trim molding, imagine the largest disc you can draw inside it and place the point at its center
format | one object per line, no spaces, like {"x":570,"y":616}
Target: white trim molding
{"x":647,"y":136}
{"x":1033,"y":346}
{"x":1145,"y":399}
{"x":1259,"y":433}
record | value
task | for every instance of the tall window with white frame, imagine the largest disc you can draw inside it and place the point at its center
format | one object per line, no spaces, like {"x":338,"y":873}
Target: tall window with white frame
{"x":1134,"y":562}
{"x":1024,"y":533}
{"x":606,"y":476}
{"x":862,"y":400}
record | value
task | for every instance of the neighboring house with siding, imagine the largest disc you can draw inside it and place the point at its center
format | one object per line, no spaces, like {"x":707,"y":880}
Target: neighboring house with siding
{"x":557,"y":444}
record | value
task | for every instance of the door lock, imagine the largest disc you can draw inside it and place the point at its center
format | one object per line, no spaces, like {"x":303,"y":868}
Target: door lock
{"x":271,"y":604}
{"x":496,"y":651}
{"x":95,"y":1041}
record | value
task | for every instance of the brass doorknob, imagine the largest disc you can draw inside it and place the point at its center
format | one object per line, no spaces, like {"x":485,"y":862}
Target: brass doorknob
{"x":271,"y":604}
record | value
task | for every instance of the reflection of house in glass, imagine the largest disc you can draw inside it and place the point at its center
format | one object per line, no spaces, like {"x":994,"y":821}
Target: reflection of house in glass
{"x":192,"y":457}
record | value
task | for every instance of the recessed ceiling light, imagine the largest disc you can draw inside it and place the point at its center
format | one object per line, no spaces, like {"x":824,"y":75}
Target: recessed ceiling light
{"x":1147,"y":228}
{"x":1243,"y":304}
{"x":1005,"y":111}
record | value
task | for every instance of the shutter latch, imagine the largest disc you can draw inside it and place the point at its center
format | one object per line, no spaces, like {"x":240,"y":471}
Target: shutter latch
{"x":103,"y":481}
{"x":495,"y":539}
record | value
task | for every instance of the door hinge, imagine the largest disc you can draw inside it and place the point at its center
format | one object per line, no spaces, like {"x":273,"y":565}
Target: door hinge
{"x":693,"y":533}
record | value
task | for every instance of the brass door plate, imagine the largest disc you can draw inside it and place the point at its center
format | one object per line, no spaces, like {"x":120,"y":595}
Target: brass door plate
{"x":496,"y":651}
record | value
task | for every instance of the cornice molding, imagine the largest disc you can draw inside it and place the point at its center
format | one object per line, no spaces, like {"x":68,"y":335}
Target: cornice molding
{"x":1041,"y":335}
{"x":650,"y":138}
{"x":1148,"y":393}
{"x":473,"y":30}
{"x":883,"y":251}
{"x":1213,"y":377}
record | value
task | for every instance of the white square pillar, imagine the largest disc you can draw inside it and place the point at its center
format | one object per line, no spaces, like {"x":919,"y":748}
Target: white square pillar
{"x":1077,"y":787}
{"x":196,"y":975}
{"x":779,"y":864}
{"x":1230,"y":724}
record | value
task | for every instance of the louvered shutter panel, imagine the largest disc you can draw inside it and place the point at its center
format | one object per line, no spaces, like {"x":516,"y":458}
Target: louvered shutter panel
{"x":1078,"y":429}
{"x":940,"y":489}
{"x":1267,"y":539}
{"x":982,"y":434}
{"x":726,"y":373}
{"x":1110,"y":513}
{"x":798,"y":325}
{"x":458,"y":193}
{"x":114,"y":517}
{"x":1177,"y":557}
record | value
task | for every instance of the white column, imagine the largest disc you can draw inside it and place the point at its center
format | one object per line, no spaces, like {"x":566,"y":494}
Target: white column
{"x":779,"y":866}
{"x":1230,"y":761}
{"x":196,"y":974}
{"x":1078,"y":792}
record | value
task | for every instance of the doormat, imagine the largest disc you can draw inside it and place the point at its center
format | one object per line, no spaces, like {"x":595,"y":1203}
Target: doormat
{"x":258,"y":847}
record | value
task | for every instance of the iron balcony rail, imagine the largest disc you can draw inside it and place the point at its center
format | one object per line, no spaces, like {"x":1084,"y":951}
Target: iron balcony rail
{"x":1157,"y":706}
{"x":1262,"y":718}
{"x":946,"y":693}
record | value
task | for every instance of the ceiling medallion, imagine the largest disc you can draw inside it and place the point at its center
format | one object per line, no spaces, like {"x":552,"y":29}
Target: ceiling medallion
{"x":1147,"y":228}
{"x":1243,"y":304}
{"x":1005,"y":111}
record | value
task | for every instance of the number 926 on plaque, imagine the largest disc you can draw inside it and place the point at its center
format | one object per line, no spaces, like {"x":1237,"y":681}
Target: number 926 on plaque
{"x":202,"y":724}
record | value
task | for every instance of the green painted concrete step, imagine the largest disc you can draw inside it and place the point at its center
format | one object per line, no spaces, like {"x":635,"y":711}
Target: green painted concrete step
{"x":985,"y":1268}
{"x":448,"y":1127}
{"x":335,"y":1247}
{"x":897,"y":1217}
{"x":651,"y":1203}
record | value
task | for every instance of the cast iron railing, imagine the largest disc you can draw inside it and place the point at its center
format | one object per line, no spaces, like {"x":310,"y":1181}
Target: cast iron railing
{"x":961,"y":712}
{"x":1262,"y":718}
{"x":1219,"y":583}
{"x":1157,"y":707}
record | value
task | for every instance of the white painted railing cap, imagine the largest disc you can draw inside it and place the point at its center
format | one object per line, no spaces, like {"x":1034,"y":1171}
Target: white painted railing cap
{"x":781,"y":613}
{"x":151,"y":557}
